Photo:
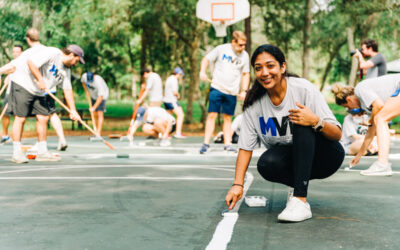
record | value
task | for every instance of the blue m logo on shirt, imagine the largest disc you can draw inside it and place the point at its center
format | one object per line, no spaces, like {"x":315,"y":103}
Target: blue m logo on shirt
{"x":225,"y":57}
{"x":54,"y":70}
{"x":272,"y":126}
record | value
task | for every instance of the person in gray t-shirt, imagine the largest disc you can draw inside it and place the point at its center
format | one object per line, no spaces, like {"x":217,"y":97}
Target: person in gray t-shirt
{"x":380,"y":98}
{"x":293,"y":120}
{"x":376,"y":65}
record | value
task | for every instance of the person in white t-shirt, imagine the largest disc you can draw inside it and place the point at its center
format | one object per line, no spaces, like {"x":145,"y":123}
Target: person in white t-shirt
{"x":153,"y":88}
{"x":380,"y":98}
{"x":16,"y":52}
{"x":354,"y":130}
{"x":155,"y":121}
{"x":294,"y":122}
{"x":230,"y":79}
{"x":37,"y":71}
{"x":171,"y":96}
{"x":99,"y":92}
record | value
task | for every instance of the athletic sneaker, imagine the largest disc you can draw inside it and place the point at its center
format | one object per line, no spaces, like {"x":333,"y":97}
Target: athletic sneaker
{"x":295,"y":211}
{"x":204,"y":148}
{"x":19,"y":157}
{"x":5,"y":139}
{"x":378,"y":169}
{"x":165,"y":143}
{"x":229,"y":148}
{"x":47,"y":157}
{"x":179,"y":136}
{"x":62,"y":146}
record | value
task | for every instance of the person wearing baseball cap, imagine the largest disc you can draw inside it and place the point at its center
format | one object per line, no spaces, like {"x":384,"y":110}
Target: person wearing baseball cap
{"x":171,"y":96}
{"x":40,"y":72}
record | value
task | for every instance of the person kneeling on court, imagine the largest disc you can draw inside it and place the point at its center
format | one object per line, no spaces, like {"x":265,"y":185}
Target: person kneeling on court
{"x":293,"y":120}
{"x":157,"y":121}
{"x":354,"y":130}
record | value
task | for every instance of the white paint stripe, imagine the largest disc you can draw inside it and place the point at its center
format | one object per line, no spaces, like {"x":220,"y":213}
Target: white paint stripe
{"x":115,"y":178}
{"x":223,"y":233}
{"x":63,"y":167}
{"x":356,"y":170}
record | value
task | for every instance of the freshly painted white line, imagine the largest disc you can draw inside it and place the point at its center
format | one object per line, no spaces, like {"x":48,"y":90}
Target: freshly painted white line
{"x":188,"y":178}
{"x":223,"y":233}
{"x":359,"y":170}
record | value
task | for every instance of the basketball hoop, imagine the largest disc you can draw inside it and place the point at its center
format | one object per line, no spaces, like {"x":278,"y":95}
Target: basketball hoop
{"x":222,"y":13}
{"x":220,"y":28}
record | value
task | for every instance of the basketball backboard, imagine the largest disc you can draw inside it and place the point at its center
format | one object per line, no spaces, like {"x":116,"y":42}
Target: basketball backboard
{"x":222,"y":13}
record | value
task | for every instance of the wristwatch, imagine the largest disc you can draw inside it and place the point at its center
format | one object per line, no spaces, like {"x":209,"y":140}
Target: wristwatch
{"x":319,"y":126}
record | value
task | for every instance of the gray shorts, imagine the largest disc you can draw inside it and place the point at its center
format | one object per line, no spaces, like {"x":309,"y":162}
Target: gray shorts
{"x":101,"y":107}
{"x":24,"y":104}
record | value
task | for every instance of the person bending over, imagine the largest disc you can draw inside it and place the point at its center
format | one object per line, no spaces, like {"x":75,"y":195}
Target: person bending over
{"x":379,"y":97}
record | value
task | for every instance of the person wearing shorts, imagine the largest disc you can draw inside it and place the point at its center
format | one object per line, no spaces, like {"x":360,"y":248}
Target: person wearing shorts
{"x":99,"y":92}
{"x":171,"y":96}
{"x":16,"y":52}
{"x":38,"y":70}
{"x":230,"y":78}
{"x":380,"y":98}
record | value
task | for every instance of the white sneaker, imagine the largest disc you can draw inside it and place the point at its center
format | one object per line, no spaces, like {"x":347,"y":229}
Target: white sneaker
{"x":165,"y":143}
{"x":19,"y":157}
{"x":295,"y":211}
{"x":47,"y":157}
{"x":378,"y":169}
{"x":179,"y":136}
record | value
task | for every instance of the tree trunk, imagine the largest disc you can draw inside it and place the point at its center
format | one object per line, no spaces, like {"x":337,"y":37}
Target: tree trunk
{"x":306,"y":40}
{"x":332,"y":55}
{"x":247,"y":31}
{"x":194,"y":78}
{"x":354,"y":61}
{"x":143,"y":61}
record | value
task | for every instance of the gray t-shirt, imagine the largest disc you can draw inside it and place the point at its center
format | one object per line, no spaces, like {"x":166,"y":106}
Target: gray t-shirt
{"x":379,"y":68}
{"x":229,"y":68}
{"x":381,"y":87}
{"x":97,"y":87}
{"x":271,"y":123}
{"x":55,"y":73}
{"x":154,"y":83}
{"x":171,"y":86}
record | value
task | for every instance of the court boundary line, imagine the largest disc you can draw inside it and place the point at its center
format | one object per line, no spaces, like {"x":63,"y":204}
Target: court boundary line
{"x":224,"y":230}
{"x":115,"y":178}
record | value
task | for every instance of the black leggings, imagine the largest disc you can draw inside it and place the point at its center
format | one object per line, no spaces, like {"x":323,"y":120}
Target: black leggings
{"x":311,"y":156}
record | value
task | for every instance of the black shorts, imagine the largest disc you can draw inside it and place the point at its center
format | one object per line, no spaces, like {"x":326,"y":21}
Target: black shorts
{"x":24,"y":104}
{"x":101,"y":107}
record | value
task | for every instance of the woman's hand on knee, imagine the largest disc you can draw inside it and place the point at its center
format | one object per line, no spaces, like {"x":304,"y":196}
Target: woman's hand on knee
{"x":233,"y":196}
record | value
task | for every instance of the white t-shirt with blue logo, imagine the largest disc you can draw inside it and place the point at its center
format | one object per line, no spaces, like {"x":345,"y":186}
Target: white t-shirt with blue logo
{"x":228,"y":69}
{"x":381,"y":87}
{"x":54,"y":72}
{"x":271,"y":123}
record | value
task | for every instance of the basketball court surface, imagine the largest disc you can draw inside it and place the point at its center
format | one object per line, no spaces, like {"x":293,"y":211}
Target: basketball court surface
{"x":151,"y":197}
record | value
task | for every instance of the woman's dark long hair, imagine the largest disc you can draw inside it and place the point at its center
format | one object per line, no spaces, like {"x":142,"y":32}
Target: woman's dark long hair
{"x":257,"y":90}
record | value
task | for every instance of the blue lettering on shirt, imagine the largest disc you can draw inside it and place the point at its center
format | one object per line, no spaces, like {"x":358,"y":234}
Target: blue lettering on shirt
{"x":272,"y":126}
{"x":225,"y":57}
{"x":54,"y":70}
